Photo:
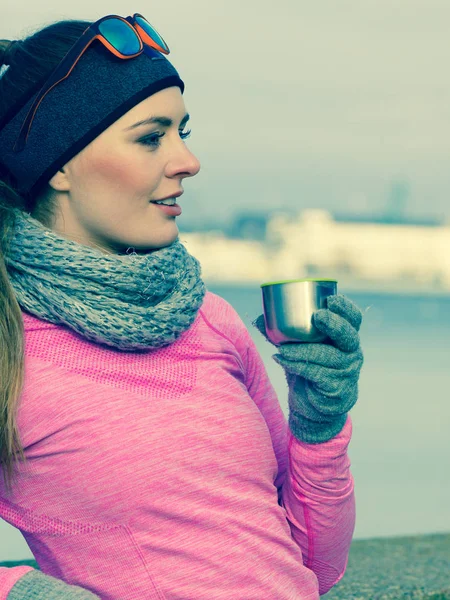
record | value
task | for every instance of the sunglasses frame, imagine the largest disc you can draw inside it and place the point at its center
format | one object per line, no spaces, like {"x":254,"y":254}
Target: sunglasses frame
{"x":65,"y":67}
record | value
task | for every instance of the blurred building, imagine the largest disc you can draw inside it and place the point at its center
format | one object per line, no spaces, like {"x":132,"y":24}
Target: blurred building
{"x":360,"y":253}
{"x":401,"y":254}
{"x":249,"y":226}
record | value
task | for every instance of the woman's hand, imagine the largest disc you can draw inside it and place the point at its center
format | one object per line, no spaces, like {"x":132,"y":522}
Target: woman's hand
{"x":323,"y":377}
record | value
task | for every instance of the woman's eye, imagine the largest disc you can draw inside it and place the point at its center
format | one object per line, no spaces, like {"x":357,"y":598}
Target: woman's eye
{"x":152,"y":140}
{"x":185,"y":134}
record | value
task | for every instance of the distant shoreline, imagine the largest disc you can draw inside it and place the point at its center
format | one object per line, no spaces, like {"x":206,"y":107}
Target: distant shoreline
{"x":352,"y":288}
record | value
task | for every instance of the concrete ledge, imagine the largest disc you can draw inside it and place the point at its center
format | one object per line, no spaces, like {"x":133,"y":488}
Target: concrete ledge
{"x":414,"y":568}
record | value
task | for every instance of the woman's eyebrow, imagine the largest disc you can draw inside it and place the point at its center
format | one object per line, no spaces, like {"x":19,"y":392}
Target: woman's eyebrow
{"x":158,"y":120}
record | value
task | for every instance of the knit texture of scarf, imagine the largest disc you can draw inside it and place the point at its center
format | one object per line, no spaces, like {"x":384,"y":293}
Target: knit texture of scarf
{"x":128,"y":301}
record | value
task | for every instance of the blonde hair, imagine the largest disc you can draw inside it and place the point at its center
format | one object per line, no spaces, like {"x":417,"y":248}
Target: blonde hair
{"x":31,"y":61}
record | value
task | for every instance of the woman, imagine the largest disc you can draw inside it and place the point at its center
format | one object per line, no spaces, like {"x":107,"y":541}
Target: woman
{"x":143,"y":448}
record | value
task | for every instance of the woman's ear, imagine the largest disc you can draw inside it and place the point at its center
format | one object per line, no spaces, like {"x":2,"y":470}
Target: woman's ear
{"x":60,"y":182}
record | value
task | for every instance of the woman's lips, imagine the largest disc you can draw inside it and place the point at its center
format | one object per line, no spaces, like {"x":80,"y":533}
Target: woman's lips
{"x":174,"y":210}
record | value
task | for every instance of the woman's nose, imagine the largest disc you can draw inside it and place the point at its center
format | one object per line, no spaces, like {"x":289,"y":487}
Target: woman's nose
{"x":185,"y":163}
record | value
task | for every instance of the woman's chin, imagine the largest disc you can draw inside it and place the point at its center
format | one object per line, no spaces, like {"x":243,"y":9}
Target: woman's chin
{"x":155,"y":243}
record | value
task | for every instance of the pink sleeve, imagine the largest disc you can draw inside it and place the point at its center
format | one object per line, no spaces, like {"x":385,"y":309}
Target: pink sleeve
{"x":314,"y":481}
{"x":9,"y":577}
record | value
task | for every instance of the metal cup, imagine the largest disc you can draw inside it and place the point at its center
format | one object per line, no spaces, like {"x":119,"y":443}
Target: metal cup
{"x":289,"y":307}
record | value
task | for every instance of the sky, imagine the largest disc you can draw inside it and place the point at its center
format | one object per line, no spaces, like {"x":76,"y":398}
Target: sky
{"x":299,"y":104}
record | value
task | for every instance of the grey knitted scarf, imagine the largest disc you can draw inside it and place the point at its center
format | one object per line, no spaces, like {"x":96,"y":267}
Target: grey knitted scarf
{"x":128,"y":301}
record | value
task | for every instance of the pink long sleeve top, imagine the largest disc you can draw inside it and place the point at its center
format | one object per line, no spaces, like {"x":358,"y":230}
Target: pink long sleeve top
{"x":171,"y":474}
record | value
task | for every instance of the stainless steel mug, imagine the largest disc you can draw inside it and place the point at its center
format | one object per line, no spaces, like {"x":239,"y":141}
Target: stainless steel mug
{"x":289,"y":307}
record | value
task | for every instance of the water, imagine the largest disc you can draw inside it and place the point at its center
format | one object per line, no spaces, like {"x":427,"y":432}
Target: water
{"x":400,"y":450}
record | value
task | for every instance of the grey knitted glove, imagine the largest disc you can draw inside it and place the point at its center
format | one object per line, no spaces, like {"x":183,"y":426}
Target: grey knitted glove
{"x":322,"y":377}
{"x":35,"y":585}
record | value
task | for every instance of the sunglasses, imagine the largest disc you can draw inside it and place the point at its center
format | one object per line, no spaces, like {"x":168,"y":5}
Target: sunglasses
{"x":124,"y":37}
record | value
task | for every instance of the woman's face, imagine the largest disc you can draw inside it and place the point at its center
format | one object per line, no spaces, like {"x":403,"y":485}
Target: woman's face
{"x":104,"y":193}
